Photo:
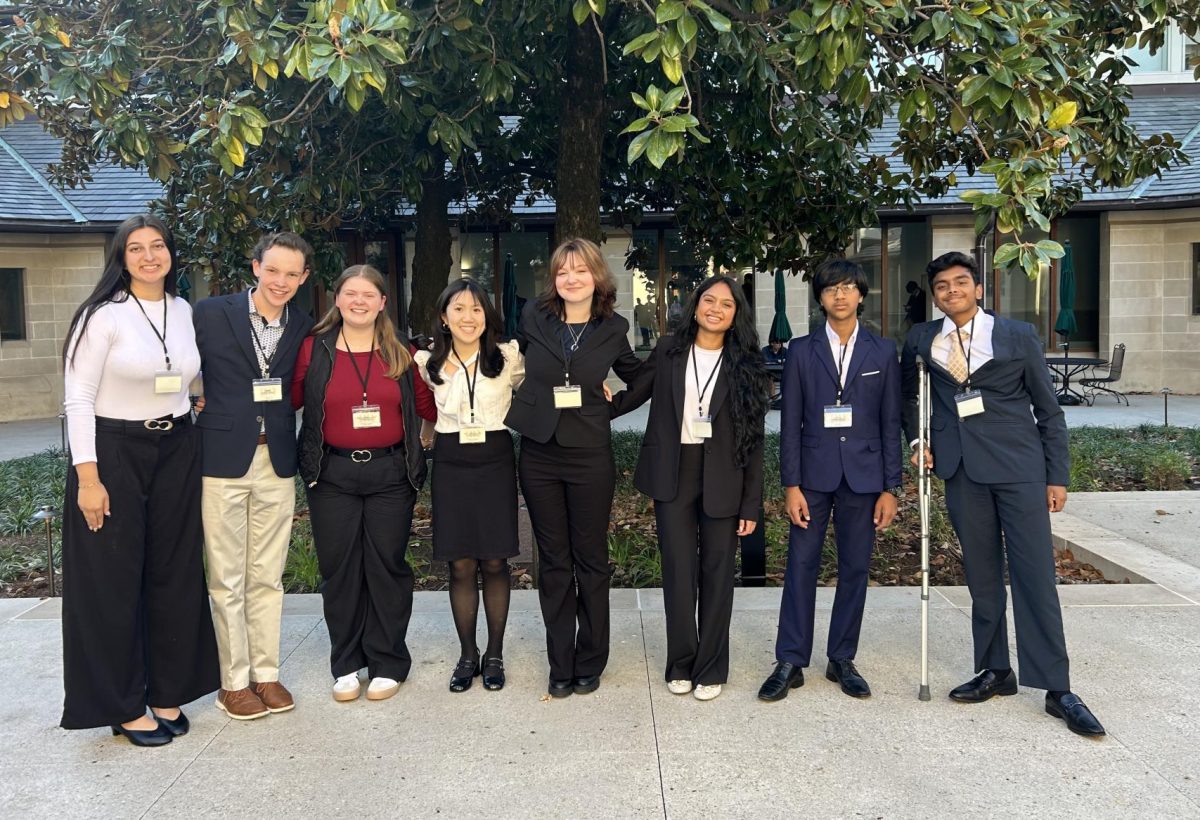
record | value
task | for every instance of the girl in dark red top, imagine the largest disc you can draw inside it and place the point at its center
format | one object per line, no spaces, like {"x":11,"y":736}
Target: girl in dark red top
{"x":361,"y":459}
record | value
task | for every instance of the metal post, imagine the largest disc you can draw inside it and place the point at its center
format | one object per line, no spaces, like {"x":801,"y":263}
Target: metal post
{"x":62,"y":429}
{"x":923,"y":489}
{"x":1166,"y":391}
{"x":48,"y":514}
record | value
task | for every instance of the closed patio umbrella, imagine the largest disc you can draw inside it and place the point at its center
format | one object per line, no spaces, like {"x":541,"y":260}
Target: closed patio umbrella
{"x":780,"y":329}
{"x":1065,"y":324}
{"x":508,"y":297}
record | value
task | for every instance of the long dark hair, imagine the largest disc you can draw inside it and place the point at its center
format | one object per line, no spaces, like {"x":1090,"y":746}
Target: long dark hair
{"x":114,"y":280}
{"x":491,"y":360}
{"x":748,"y":381}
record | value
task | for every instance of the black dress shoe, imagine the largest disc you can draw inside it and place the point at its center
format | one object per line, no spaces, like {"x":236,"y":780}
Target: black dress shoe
{"x":1080,"y":720}
{"x":843,"y":672}
{"x":786,"y":676}
{"x":493,"y":674}
{"x":985,"y":685}
{"x":464,"y":673}
{"x":561,"y":688}
{"x":585,"y":684}
{"x":158,"y":736}
{"x":178,"y":726}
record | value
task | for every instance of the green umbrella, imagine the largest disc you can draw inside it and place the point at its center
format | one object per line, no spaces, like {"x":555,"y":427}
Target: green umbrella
{"x":780,"y":329}
{"x":508,"y":298}
{"x":1065,"y":324}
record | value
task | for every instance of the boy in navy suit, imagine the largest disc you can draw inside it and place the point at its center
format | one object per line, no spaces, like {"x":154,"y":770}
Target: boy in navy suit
{"x":839,"y":453}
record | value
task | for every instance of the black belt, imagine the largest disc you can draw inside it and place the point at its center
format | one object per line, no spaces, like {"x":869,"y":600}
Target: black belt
{"x":162,"y":424}
{"x":363,"y":455}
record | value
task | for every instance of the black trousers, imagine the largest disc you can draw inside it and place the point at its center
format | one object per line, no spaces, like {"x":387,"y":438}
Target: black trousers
{"x":569,"y":492}
{"x":137,"y":630}
{"x":361,"y":515}
{"x":980,"y":513}
{"x":698,"y":563}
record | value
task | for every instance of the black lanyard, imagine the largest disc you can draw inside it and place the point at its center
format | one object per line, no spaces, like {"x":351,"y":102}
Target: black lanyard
{"x":711,"y":374}
{"x":841,"y":364}
{"x":966,"y":349}
{"x":576,"y":341}
{"x":471,"y":382}
{"x":258,"y":340}
{"x":162,"y":337}
{"x":370,"y":360}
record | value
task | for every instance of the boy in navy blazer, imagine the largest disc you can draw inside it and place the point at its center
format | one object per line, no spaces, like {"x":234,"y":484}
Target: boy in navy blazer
{"x":248,"y":344}
{"x":839,"y":454}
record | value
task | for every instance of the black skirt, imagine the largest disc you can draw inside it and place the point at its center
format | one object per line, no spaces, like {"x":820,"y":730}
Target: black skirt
{"x":474,"y":492}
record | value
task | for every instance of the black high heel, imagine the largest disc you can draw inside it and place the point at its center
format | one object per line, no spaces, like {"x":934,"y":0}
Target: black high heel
{"x":493,"y":674}
{"x":158,"y":736}
{"x":464,"y":674}
{"x":178,"y":726}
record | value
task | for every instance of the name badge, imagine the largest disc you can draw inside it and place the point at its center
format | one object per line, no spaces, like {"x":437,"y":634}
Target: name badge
{"x":168,"y":381}
{"x":267,"y":389}
{"x":568,"y":396}
{"x":839,"y":415}
{"x":365,"y":415}
{"x":472,"y":434}
{"x":969,"y":403}
{"x":701,"y":427}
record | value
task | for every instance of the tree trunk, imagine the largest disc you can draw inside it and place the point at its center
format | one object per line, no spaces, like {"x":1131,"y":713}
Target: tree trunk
{"x":431,"y":259}
{"x":582,"y":123}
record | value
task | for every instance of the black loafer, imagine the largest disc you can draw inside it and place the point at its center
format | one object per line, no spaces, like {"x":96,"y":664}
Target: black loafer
{"x":1080,"y":720}
{"x":493,"y":674}
{"x":844,"y":673}
{"x":464,"y":673}
{"x":158,"y":736}
{"x":786,"y":676}
{"x":585,"y":684}
{"x":984,"y":686}
{"x":178,"y":726}
{"x":561,"y":688}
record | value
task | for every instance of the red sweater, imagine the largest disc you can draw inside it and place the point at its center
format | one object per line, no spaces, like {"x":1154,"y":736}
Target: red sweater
{"x":344,"y":392}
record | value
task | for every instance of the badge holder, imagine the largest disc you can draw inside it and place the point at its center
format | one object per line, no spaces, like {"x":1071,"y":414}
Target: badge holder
{"x":969,"y":403}
{"x":168,"y":381}
{"x":702,"y":427}
{"x":568,"y":396}
{"x":839,"y":415}
{"x":267,"y":389}
{"x":470,"y":432}
{"x":365,"y":416}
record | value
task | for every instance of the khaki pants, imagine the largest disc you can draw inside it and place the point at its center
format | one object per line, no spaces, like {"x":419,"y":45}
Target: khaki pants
{"x":247,"y":527}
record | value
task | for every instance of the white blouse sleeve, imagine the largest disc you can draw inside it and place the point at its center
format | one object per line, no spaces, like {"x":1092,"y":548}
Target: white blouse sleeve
{"x":514,"y":363}
{"x":82,"y":373}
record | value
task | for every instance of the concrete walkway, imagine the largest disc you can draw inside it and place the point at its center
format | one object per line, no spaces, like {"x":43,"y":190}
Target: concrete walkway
{"x":633,"y":750}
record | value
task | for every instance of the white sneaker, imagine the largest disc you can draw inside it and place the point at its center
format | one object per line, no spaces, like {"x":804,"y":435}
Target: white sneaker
{"x":679,"y":687}
{"x":382,"y":688}
{"x":347,"y":688}
{"x":707,"y":692}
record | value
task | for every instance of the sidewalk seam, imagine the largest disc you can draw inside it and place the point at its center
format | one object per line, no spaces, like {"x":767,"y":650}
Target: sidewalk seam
{"x":662,"y":787}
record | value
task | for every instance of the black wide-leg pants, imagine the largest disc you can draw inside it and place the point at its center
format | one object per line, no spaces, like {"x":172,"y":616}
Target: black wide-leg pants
{"x":569,"y":492}
{"x":698,"y":565}
{"x":361,"y":515}
{"x":137,"y":629}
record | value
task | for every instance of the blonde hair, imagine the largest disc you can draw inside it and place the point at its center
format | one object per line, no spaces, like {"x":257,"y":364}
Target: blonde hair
{"x":393,"y":352}
{"x":605,"y":296}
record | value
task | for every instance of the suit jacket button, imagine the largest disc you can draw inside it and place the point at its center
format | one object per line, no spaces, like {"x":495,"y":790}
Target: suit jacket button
{"x":259,"y":419}
{"x":843,"y":438}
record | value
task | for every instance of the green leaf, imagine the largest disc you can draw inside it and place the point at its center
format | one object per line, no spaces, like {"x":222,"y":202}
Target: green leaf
{"x":668,"y":11}
{"x":671,"y":101}
{"x":1005,"y":254}
{"x":672,"y":68}
{"x":580,"y":11}
{"x":687,"y":27}
{"x":236,"y":151}
{"x":658,"y":150}
{"x":1062,"y":116}
{"x":958,"y":120}
{"x":1050,"y":248}
{"x":637,"y":146}
{"x":718,"y":21}
{"x":941,"y":25}
{"x":639,"y":42}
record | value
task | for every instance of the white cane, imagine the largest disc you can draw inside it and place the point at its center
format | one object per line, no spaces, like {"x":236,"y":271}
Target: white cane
{"x":923,"y":496}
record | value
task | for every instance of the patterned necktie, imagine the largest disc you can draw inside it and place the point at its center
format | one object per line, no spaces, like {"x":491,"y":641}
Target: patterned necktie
{"x":956,"y":362}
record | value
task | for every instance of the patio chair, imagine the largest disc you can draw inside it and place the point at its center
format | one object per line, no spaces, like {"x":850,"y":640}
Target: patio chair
{"x":1104,"y":383}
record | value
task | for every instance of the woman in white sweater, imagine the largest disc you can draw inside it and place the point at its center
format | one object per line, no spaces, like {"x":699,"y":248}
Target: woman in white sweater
{"x":137,"y":632}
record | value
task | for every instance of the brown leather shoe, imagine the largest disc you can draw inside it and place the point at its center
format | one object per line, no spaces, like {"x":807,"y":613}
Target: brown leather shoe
{"x":274,"y":696}
{"x":241,"y":704}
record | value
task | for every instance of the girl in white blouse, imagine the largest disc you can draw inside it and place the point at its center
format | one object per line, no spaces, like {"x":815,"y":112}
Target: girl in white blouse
{"x":474,"y":485}
{"x":137,"y":631}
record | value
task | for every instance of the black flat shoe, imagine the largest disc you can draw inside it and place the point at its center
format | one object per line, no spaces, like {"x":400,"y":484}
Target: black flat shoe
{"x":464,"y":673}
{"x":178,"y":726}
{"x":985,"y":685}
{"x":786,"y":676}
{"x":585,"y":684}
{"x":158,"y":736}
{"x":561,"y":688}
{"x":1068,"y":707}
{"x":843,"y":672}
{"x":493,"y":674}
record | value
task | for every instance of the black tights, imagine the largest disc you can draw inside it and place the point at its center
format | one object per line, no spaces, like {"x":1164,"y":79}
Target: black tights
{"x":464,"y":603}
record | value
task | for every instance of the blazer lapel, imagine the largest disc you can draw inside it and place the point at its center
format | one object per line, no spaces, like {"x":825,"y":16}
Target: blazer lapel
{"x":291,"y":335}
{"x":863,"y":346}
{"x":546,"y":329}
{"x":679,"y":381}
{"x":237,"y":312}
{"x":820,"y":349}
{"x":720,"y":389}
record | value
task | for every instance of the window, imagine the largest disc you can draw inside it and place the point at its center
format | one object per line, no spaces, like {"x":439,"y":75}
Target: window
{"x":12,"y":304}
{"x":1173,"y":63}
{"x":1196,"y":279}
{"x":895,"y":271}
{"x":666,"y":269}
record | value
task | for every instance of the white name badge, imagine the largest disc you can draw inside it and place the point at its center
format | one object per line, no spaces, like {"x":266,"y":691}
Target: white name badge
{"x":168,"y":381}
{"x":568,"y":396}
{"x":839,"y":415}
{"x":365,"y":415}
{"x":969,"y":403}
{"x":701,"y":426}
{"x":472,"y":434}
{"x":267,"y":389}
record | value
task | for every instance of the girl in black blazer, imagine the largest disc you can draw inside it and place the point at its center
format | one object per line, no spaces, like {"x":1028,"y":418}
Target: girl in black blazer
{"x":571,"y":338}
{"x":702,"y":463}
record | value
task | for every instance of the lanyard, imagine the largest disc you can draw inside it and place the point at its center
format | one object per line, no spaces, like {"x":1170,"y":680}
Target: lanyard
{"x":471,"y":382}
{"x":162,"y":337}
{"x":569,"y":353}
{"x":266,"y":360}
{"x":707,"y":382}
{"x":966,"y":349}
{"x":841,"y":365}
{"x":357,"y":372}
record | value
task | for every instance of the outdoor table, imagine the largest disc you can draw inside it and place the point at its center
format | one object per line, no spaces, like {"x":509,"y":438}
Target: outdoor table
{"x":1066,"y":367}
